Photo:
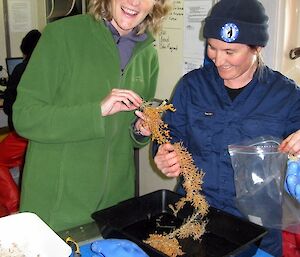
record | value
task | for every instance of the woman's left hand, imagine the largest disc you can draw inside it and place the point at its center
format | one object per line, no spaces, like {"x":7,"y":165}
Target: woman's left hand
{"x":140,"y":125}
{"x":291,"y":144}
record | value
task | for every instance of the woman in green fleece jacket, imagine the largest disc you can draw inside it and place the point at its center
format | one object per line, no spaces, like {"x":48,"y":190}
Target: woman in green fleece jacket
{"x":76,"y":103}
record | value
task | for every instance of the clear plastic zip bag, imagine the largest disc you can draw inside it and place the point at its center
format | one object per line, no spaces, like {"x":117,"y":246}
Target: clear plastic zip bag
{"x":259,"y":174}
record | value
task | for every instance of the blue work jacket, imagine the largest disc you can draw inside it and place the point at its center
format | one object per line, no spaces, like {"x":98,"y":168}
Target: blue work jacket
{"x":206,"y":120}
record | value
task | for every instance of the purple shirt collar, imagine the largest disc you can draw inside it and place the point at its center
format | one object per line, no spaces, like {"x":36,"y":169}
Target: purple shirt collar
{"x":125,"y":43}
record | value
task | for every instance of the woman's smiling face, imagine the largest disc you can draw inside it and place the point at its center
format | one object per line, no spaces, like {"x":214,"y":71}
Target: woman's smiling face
{"x":127,"y":14}
{"x":236,"y":63}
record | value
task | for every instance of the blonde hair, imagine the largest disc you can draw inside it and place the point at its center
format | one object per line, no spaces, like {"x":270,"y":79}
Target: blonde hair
{"x":259,"y":61}
{"x":259,"y":58}
{"x":102,"y":9}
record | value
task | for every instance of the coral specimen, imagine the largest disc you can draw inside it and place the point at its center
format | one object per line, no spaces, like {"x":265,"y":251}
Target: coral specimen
{"x":193,"y":226}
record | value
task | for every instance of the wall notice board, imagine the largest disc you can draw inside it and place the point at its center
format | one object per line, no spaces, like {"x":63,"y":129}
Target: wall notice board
{"x":180,"y":46}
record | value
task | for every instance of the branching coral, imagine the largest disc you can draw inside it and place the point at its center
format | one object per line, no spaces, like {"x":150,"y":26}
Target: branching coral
{"x":193,"y":226}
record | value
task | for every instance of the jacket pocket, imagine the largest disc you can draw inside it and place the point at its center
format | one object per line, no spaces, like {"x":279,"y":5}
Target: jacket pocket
{"x":200,"y":129}
{"x":263,"y":125}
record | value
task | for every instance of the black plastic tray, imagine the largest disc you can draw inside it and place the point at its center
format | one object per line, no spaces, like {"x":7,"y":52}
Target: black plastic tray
{"x":135,"y":219}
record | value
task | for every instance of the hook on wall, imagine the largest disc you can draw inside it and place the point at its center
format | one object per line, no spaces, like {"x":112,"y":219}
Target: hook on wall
{"x":295,"y":53}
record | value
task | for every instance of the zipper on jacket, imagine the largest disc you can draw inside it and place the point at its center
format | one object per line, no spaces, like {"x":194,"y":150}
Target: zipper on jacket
{"x":135,"y":52}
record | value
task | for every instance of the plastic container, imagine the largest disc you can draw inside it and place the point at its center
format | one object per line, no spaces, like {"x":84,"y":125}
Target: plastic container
{"x":136,"y":218}
{"x":32,"y":236}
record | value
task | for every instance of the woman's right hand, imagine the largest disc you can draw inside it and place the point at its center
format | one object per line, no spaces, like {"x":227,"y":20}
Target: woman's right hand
{"x":120,"y":100}
{"x":167,"y":160}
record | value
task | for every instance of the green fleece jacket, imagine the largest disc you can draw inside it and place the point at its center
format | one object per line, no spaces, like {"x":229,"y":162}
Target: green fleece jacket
{"x":77,"y":161}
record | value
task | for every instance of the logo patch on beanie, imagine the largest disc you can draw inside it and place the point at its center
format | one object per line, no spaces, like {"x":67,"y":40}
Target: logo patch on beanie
{"x":229,"y":32}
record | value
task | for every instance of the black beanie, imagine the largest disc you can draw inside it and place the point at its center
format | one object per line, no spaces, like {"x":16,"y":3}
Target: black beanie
{"x":238,"y":21}
{"x":29,"y":42}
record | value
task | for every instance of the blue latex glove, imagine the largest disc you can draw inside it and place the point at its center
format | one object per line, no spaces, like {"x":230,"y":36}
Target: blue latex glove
{"x":116,"y":248}
{"x":292,"y":179}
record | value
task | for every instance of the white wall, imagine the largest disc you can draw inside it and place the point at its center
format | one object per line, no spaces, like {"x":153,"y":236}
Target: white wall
{"x":284,"y":35}
{"x":290,"y":39}
{"x":273,"y":8}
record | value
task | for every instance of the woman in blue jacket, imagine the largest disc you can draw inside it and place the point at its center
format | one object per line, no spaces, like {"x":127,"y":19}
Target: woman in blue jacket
{"x":232,"y":99}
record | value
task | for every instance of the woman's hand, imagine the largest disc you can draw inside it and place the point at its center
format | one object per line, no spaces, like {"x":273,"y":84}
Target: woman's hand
{"x":167,"y":160}
{"x":291,"y":144}
{"x":120,"y":100}
{"x":140,"y":125}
